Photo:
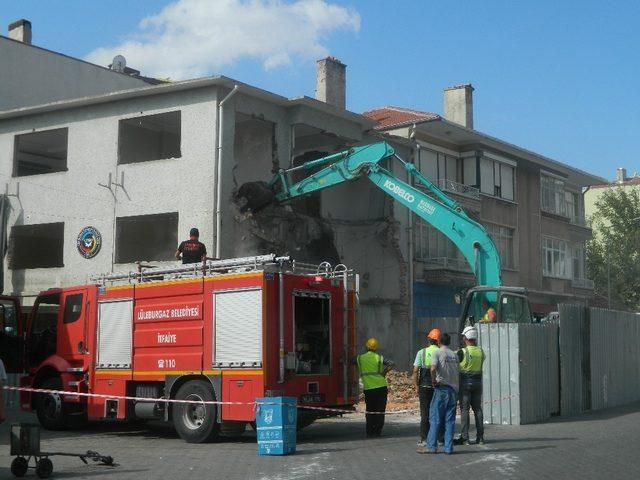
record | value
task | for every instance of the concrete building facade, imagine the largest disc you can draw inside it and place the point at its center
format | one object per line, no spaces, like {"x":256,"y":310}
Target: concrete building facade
{"x":32,"y":75}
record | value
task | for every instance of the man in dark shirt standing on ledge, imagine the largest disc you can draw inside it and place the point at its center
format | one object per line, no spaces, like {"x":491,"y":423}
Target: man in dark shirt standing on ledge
{"x":192,"y":250}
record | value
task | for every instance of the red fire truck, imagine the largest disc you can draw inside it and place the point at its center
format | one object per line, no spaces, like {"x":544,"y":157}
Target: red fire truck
{"x":229,"y":331}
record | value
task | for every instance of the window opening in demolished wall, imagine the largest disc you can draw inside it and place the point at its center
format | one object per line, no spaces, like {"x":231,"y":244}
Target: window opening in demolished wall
{"x":146,"y":237}
{"x":312,"y":315}
{"x":40,"y":152}
{"x":36,"y":246}
{"x":254,"y":149}
{"x":311,"y":143}
{"x":151,"y":137}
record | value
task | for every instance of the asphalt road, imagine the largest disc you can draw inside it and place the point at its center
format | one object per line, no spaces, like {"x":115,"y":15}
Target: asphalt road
{"x":602,"y":445}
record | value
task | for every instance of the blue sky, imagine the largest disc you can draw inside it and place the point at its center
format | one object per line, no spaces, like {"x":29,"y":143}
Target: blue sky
{"x":556,"y":77}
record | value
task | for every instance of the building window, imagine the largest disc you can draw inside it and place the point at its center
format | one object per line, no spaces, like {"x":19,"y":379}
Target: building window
{"x":438,"y":166}
{"x":497,"y":179}
{"x":503,"y":237}
{"x":146,"y":237}
{"x":552,"y":195}
{"x":40,"y":152}
{"x":436,"y":250}
{"x":578,"y":270}
{"x":555,"y":258}
{"x":152,"y":137}
{"x":574,"y":207}
{"x":36,"y":246}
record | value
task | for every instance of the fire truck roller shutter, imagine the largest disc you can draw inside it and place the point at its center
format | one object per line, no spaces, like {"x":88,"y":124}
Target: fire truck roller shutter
{"x":238,"y":328}
{"x":114,"y":334}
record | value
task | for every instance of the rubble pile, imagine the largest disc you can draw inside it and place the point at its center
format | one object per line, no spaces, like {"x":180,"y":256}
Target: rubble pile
{"x":402,"y":393}
{"x":401,"y":389}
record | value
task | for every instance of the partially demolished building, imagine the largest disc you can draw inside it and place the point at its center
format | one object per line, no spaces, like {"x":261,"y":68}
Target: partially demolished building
{"x":134,"y":169}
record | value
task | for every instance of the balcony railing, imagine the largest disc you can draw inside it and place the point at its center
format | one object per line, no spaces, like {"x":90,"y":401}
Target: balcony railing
{"x":445,"y":263}
{"x":582,"y":283}
{"x":578,"y":220}
{"x":455,"y":187}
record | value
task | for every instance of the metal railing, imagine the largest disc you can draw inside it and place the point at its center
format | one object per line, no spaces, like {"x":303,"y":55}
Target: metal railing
{"x":459,"y":188}
{"x":582,"y":283}
{"x":446,"y":263}
{"x":578,"y":220}
{"x":150,"y":273}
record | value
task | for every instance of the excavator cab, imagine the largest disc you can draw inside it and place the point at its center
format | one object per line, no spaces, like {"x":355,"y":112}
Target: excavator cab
{"x":495,"y":305}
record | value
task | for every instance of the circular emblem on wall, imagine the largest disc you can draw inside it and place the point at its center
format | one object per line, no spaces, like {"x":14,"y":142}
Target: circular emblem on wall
{"x":89,"y":242}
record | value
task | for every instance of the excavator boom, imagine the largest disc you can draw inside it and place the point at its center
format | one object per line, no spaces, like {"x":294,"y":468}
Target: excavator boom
{"x":435,"y":208}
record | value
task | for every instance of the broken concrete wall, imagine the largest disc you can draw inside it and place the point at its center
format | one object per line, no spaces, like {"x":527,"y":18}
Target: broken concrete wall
{"x":371,"y":237}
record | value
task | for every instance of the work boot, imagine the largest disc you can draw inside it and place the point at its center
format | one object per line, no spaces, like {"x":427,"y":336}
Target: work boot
{"x":425,"y":450}
{"x":479,"y":441}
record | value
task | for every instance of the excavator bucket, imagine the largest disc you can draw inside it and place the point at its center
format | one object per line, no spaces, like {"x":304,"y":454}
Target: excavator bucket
{"x":254,"y":196}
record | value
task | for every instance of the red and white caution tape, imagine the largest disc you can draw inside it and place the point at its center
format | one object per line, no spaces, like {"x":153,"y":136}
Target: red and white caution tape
{"x":216,"y":402}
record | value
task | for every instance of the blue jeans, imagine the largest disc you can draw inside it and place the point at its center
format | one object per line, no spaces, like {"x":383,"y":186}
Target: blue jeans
{"x":442,"y":411}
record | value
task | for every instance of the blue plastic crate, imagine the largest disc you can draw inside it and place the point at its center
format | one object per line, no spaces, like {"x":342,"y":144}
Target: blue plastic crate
{"x":276,"y":448}
{"x":276,"y":419}
{"x":276,"y":412}
{"x":270,"y":434}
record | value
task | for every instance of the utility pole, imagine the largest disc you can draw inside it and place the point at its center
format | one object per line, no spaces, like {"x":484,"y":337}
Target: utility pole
{"x":608,"y":279}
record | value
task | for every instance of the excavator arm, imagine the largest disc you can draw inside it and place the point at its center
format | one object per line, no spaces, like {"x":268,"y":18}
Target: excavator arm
{"x":436,"y":208}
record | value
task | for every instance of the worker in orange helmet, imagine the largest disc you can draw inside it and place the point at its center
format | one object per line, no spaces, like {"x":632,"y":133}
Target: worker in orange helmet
{"x":373,"y":369}
{"x":422,"y":381}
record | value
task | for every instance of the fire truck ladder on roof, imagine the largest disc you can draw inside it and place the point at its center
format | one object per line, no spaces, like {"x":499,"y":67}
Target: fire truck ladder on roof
{"x":148,"y":273}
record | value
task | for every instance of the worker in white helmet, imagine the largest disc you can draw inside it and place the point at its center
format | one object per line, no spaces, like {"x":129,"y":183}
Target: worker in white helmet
{"x":471,"y":358}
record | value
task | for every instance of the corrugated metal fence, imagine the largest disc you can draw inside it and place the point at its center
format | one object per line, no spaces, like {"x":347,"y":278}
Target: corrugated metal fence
{"x":574,"y":359}
{"x":615,"y":357}
{"x":589,"y":359}
{"x":520,"y":377}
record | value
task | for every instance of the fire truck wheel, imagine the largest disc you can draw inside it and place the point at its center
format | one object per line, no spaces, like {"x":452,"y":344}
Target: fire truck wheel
{"x":19,"y":466}
{"x":195,"y":423}
{"x":49,"y":406}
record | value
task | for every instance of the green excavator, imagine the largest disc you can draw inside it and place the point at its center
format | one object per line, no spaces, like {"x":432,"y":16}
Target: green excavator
{"x":489,"y":301}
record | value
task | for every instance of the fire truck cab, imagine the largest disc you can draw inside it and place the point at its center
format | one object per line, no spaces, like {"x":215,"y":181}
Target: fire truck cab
{"x":227,"y":331}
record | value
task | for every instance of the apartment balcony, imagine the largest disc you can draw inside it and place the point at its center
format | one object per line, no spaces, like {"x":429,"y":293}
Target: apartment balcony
{"x":445,"y":263}
{"x":444,"y":271}
{"x":458,"y":188}
{"x":579,"y":221}
{"x":583,"y":283}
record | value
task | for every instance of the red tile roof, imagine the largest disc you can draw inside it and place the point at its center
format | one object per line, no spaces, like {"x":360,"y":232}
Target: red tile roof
{"x":395,"y":117}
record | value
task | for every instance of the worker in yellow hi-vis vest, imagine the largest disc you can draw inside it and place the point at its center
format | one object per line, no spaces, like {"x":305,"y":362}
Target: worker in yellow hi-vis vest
{"x":471,"y":358}
{"x":373,"y":368}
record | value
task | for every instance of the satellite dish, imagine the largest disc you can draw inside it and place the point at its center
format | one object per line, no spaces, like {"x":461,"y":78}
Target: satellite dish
{"x":119,"y":63}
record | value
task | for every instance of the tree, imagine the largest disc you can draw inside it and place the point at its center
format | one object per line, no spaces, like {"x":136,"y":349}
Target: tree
{"x":613,"y":255}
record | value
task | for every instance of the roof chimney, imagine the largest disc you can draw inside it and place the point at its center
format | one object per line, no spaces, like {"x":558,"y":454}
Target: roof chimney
{"x":458,"y":105}
{"x":621,"y":175}
{"x":20,"y":31}
{"x":331,"y":82}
